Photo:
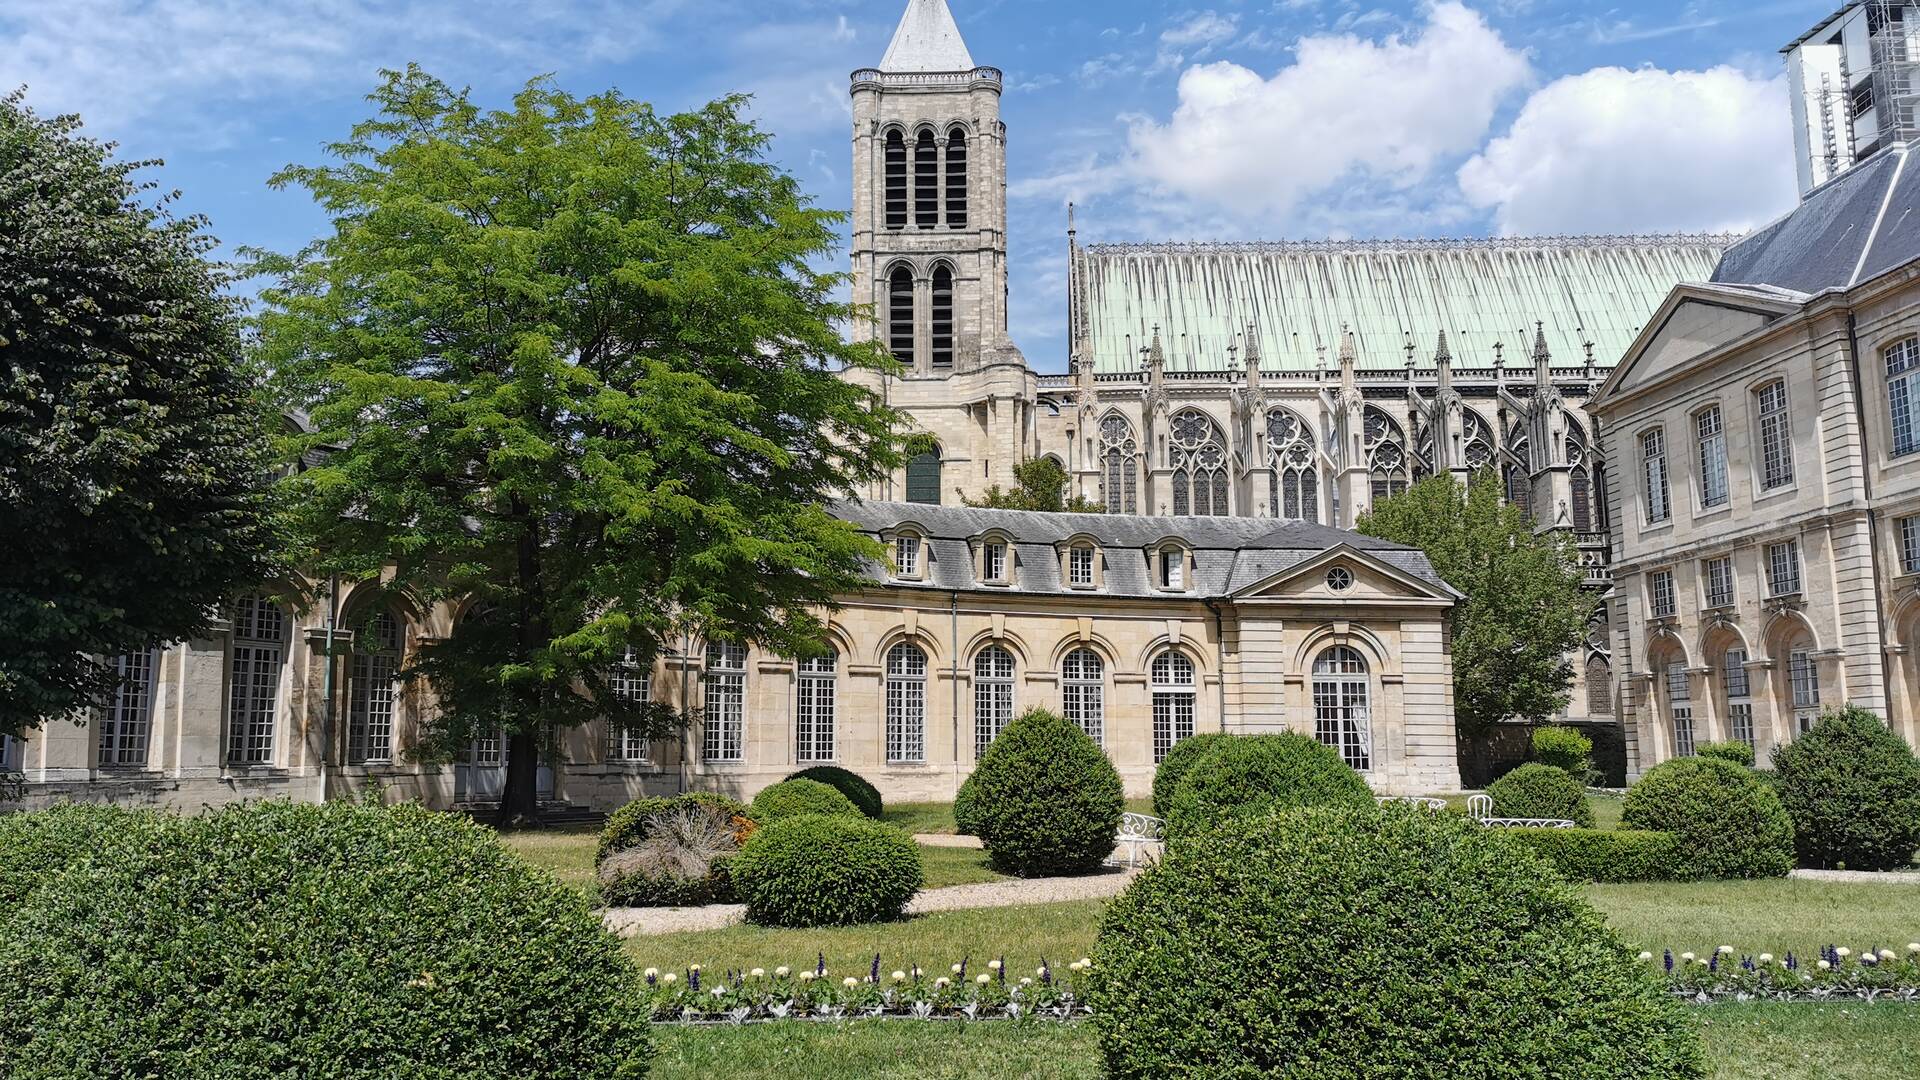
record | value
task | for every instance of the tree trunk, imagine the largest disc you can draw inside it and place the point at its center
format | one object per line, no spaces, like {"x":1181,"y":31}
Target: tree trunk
{"x":520,"y":795}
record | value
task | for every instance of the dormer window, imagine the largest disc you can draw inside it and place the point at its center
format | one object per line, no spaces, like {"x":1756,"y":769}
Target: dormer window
{"x":1173,"y":568}
{"x":906,"y":556}
{"x":994,"y":561}
{"x":1080,"y":567}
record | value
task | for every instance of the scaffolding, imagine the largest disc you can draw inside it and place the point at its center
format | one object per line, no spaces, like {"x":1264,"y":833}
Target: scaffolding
{"x":1893,"y":36}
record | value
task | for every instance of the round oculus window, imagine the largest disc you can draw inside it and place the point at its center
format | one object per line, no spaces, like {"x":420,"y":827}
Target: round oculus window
{"x":1339,"y":579}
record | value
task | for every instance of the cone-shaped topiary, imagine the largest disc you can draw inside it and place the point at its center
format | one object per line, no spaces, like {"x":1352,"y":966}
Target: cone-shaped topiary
{"x":1254,"y":773}
{"x":1729,"y":822}
{"x":848,"y":783}
{"x":1852,"y":788}
{"x":1045,"y":798}
{"x":1541,"y":791}
{"x":1179,"y":761}
{"x":791,"y":797}
{"x":1345,"y":942}
{"x":827,"y":870}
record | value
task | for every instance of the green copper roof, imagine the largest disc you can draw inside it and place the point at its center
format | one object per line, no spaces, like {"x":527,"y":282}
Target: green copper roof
{"x":1483,"y":293}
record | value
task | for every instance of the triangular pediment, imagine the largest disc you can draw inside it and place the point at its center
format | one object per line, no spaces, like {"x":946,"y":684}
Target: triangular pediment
{"x":1369,"y":579}
{"x":1695,"y":321}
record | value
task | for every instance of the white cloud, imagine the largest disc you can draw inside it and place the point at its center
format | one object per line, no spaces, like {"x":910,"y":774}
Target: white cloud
{"x":1612,"y":150}
{"x":1206,"y":28}
{"x":1388,"y":110}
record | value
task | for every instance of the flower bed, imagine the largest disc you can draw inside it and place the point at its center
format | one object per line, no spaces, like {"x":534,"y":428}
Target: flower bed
{"x":1838,"y":973}
{"x":964,"y":991}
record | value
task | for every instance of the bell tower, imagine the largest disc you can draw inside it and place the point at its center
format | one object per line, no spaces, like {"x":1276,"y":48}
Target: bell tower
{"x":929,"y":200}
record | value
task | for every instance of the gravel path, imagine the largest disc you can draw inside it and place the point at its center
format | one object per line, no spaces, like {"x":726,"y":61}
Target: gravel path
{"x":936,"y":839}
{"x":1861,"y":877}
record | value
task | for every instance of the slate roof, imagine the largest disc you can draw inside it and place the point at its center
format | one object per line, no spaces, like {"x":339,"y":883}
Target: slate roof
{"x":1229,"y":554}
{"x":927,"y":39}
{"x":1853,"y":228}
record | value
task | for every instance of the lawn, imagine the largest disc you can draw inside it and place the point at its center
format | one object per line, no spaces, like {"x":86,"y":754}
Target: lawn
{"x":937,"y":817}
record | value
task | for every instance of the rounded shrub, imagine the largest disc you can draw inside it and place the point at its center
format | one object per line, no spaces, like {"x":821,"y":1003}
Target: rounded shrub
{"x":1045,"y":798}
{"x":851,"y":784}
{"x":1730,"y":824}
{"x":1179,"y":761}
{"x":337,"y":940}
{"x":36,"y":846}
{"x":827,"y":870}
{"x":966,"y":821}
{"x":790,"y":798}
{"x":1852,"y":789}
{"x":1535,"y":790}
{"x":627,"y":826}
{"x":1340,"y":942}
{"x":1563,"y":748}
{"x":1737,"y":752}
{"x":1245,"y":774}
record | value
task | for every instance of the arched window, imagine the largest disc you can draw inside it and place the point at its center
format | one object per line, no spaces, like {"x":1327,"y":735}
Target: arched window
{"x":259,"y":649}
{"x":723,"y":733}
{"x":943,"y":317}
{"x":1599,"y":688}
{"x":900,"y":315}
{"x":1082,"y":693}
{"x":372,"y":689}
{"x":1474,"y":449}
{"x":1589,"y":490}
{"x":1173,"y":689}
{"x":1119,"y":465}
{"x":1517,"y":474}
{"x":926,"y":182}
{"x":1199,"y":459}
{"x":632,"y":681}
{"x":992,"y":696}
{"x":1903,"y":394}
{"x":906,"y":704}
{"x":957,"y":178}
{"x":1386,"y":447}
{"x":1803,"y":685}
{"x":814,"y":708}
{"x":1680,"y":708}
{"x":128,"y":717}
{"x":1342,"y":716}
{"x":1738,"y":687}
{"x":923,"y":477}
{"x":896,"y":180}
{"x":1293,"y":471}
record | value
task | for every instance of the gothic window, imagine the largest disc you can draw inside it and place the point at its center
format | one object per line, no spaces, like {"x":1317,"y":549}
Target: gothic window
{"x":1476,"y":440}
{"x":1517,"y":473}
{"x":926,"y":182}
{"x":259,"y":644}
{"x":1119,"y":465}
{"x":906,"y":704}
{"x":1082,"y":685}
{"x":957,"y":178}
{"x":723,"y":735}
{"x":1599,"y":689}
{"x":1173,"y":696}
{"x":372,"y":690}
{"x":896,"y":180}
{"x":900,"y":314}
{"x":814,"y":708}
{"x":128,"y":717}
{"x":992,"y":696}
{"x":923,"y":478}
{"x":1199,"y":459}
{"x":943,"y":317}
{"x":1587,"y":482}
{"x":1342,"y":717}
{"x":1294,"y":473}
{"x":1386,"y":446}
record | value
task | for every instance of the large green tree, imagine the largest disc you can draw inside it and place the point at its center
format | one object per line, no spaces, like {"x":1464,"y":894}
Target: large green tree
{"x":133,"y":456}
{"x":573,"y":361}
{"x":1525,"y":609}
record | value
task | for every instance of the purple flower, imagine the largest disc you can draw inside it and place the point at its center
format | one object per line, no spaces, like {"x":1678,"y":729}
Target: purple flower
{"x":873,"y":975}
{"x":820,"y":972}
{"x":1669,"y":960}
{"x":1046,"y":972}
{"x":693,"y":979}
{"x":1714,"y":964}
{"x":1746,"y":963}
{"x":1003,"y":969}
{"x":1792,"y":964}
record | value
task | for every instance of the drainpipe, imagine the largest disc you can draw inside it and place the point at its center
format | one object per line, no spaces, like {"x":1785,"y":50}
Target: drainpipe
{"x":1873,"y":515}
{"x":686,"y":712}
{"x":1219,"y":654}
{"x":953,"y":663}
{"x":326,"y":681}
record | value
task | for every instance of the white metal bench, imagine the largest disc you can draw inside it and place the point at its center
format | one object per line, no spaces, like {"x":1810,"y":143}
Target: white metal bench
{"x":1136,"y":832}
{"x":1480,"y":809}
{"x":1421,"y":801}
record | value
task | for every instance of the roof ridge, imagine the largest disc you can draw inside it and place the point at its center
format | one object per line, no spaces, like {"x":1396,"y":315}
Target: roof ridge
{"x":1511,"y":243}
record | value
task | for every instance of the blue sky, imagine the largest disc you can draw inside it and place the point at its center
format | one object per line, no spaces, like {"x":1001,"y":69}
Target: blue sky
{"x":1233,"y":119}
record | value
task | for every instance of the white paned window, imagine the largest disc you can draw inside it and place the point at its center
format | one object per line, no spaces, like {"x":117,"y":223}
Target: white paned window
{"x":1083,"y":693}
{"x":1713,"y":456}
{"x":992,"y":696}
{"x":1660,"y":593}
{"x":723,"y":735}
{"x":1783,"y":569}
{"x":1080,"y":567}
{"x":1173,"y":569}
{"x":1910,"y":545}
{"x":906,"y":555}
{"x":373,"y":688}
{"x":632,"y":681}
{"x":1680,"y":707}
{"x":1653,"y":460}
{"x":128,"y":718}
{"x":1342,"y":717}
{"x":1739,"y":690}
{"x":259,"y":648}
{"x":1903,"y":395}
{"x":1803,"y":678}
{"x":814,"y":708}
{"x":12,"y":754}
{"x":1173,"y":690}
{"x":1719,"y":574}
{"x":994,"y":561}
{"x":906,"y":704}
{"x":1776,"y":437}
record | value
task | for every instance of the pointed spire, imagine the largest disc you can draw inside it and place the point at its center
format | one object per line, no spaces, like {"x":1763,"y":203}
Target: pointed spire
{"x":1441,"y":354}
{"x":1349,"y":354}
{"x":927,"y":40}
{"x":1540,"y":353}
{"x":1253,"y":355}
{"x":1071,"y":231}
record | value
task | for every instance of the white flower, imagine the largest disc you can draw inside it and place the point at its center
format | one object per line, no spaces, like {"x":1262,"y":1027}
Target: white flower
{"x":1686,"y":958}
{"x":983,"y":979}
{"x":849,"y":982}
{"x":1824,"y":965}
{"x":1645,"y":956}
{"x":916,"y":971}
{"x":1702,"y":963}
{"x":1766,"y":958}
{"x":1039,"y":973}
{"x":1913,"y":946}
{"x":693,"y":967}
{"x":899,"y":976}
{"x":1869,"y":958}
{"x":806,"y":976}
{"x":956,"y":969}
{"x":781,"y":971}
{"x":759,"y":973}
{"x":940,"y":982}
{"x":719,"y":991}
{"x":1843,"y":952}
{"x":1086,"y":964}
{"x":1726,"y":950}
{"x":653,"y":973}
{"x":669,"y":978}
{"x":1886,"y":954}
{"x":1026,"y":982}
{"x":993,"y":965}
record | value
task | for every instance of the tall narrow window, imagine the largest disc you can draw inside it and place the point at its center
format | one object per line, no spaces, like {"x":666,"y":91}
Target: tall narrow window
{"x":1783,"y":568}
{"x":1582,"y":500}
{"x":1713,"y":456}
{"x":1776,"y":437}
{"x":1680,"y":707}
{"x":12,"y":754}
{"x":1119,"y":454}
{"x":1173,"y":567}
{"x":906,"y":555}
{"x":923,"y":478}
{"x":1080,"y":567}
{"x":1173,"y":689}
{"x":992,"y":696}
{"x":1342,"y":717}
{"x":1803,"y":678}
{"x":993,"y":559}
{"x":128,"y":717}
{"x":957,"y":178}
{"x":814,"y":708}
{"x":900,"y":315}
{"x":723,"y":735}
{"x":259,"y":641}
{"x":1519,"y":489}
{"x":1739,"y":688}
{"x":896,"y":180}
{"x":943,"y":317}
{"x":1660,"y":593}
{"x":1903,"y":394}
{"x":1294,"y":467}
{"x":631,"y":681}
{"x":372,"y":690}
{"x":1386,"y":447}
{"x":1199,"y":458}
{"x":906,"y":704}
{"x":1720,"y":582}
{"x":1083,"y":693}
{"x":926,"y":182}
{"x":1599,"y":689}
{"x":1910,"y":545}
{"x":1653,"y":461}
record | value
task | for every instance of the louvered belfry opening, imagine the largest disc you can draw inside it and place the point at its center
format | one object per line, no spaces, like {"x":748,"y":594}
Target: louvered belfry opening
{"x":896,"y":180}
{"x":926,"y":182}
{"x":900,"y":315}
{"x":957,"y":178}
{"x":943,"y":317}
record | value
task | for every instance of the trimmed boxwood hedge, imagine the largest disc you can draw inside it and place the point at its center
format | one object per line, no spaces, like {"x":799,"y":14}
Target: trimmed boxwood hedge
{"x":1344,"y":942}
{"x":1045,"y":798}
{"x":1730,"y":824}
{"x":1852,"y":788}
{"x":1608,"y":855}
{"x":792,"y":797}
{"x":827,"y":870}
{"x":848,"y":783}
{"x":1535,"y":790}
{"x":1563,"y":748}
{"x":1180,"y":760}
{"x":338,"y":940}
{"x":36,"y":846}
{"x":1253,"y":773}
{"x":1737,"y":752}
{"x":966,"y":821}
